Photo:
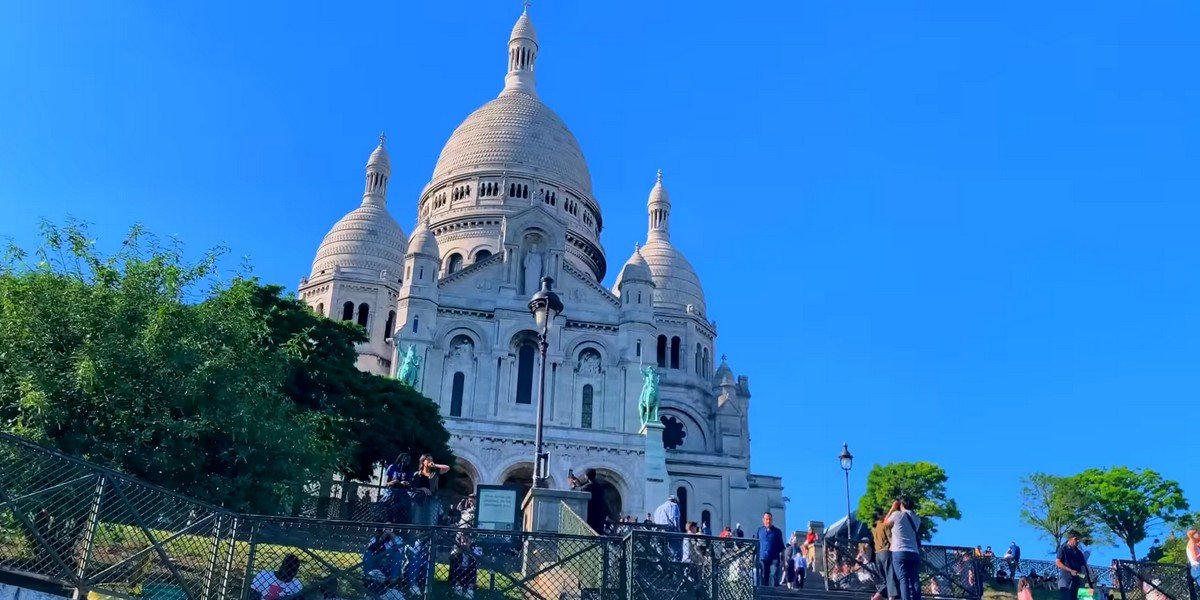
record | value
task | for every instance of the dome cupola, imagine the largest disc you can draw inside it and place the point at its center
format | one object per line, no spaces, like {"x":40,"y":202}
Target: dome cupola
{"x":675,"y":281}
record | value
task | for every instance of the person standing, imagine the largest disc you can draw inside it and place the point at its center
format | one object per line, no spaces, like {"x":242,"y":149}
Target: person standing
{"x":737,"y":531}
{"x":394,"y":495}
{"x":1013,"y":557}
{"x":423,"y":487}
{"x":1193,"y":553}
{"x":667,"y":514}
{"x":905,"y":548}
{"x":597,"y":508}
{"x":1072,"y":567}
{"x":886,"y":586}
{"x":770,"y":548}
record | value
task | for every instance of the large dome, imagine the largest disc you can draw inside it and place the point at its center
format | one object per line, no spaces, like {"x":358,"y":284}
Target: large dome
{"x":516,"y":132}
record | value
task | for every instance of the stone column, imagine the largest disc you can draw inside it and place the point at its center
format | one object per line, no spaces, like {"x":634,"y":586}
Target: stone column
{"x":657,"y":485}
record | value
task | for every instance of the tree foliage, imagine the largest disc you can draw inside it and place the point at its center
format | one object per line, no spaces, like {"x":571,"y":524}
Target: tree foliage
{"x":1054,"y":505}
{"x":923,"y":482}
{"x":226,"y":391}
{"x":1130,"y":503}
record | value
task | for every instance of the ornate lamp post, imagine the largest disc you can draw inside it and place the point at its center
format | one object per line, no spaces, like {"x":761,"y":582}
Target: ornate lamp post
{"x":545,"y":307}
{"x":847,"y":461}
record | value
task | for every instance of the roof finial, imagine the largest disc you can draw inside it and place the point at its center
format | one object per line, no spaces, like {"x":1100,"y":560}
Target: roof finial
{"x":637,"y":246}
{"x":526,"y":3}
{"x":660,"y":175}
{"x":382,"y":137}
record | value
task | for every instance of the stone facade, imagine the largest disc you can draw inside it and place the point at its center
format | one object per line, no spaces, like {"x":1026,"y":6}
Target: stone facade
{"x":510,"y":201}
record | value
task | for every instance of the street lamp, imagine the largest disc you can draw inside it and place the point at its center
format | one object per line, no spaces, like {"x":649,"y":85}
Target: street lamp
{"x":545,"y":307}
{"x":847,"y":461}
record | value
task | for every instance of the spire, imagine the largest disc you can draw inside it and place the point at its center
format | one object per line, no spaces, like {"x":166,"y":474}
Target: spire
{"x":522,"y":54}
{"x":379,"y":169}
{"x":659,"y":207}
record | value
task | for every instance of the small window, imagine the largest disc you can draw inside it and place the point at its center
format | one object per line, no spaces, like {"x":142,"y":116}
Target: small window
{"x":347,"y":311}
{"x":482,"y":255}
{"x":675,"y":352}
{"x":585,"y":420}
{"x":705,"y":519}
{"x":681,"y":496}
{"x":525,"y":359}
{"x":416,"y":324}
{"x":364,"y":313}
{"x":455,"y":263}
{"x":456,"y":394}
{"x":639,"y":348}
{"x":389,"y":328}
{"x":662,"y":351}
{"x":321,"y":308}
{"x":697,"y":360}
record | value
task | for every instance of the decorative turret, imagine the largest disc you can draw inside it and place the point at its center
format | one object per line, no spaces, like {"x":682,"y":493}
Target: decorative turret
{"x":522,"y":55}
{"x":659,"y":206}
{"x":677,"y":288}
{"x":635,"y":288}
{"x":379,"y":169}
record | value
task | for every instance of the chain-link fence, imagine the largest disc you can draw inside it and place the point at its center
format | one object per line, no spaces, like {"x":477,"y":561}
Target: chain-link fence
{"x":66,"y":521}
{"x":675,"y":565}
{"x":946,"y":571}
{"x":1153,"y":581}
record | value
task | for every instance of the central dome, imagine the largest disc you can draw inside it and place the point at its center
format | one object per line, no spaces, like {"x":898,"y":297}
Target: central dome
{"x":516,"y":132}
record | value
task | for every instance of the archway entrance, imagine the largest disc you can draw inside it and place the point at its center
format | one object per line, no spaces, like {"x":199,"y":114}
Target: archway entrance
{"x":521,"y":476}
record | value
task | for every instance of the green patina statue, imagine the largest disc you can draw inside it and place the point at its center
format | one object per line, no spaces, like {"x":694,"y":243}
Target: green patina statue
{"x":410,"y":368}
{"x":648,"y":404}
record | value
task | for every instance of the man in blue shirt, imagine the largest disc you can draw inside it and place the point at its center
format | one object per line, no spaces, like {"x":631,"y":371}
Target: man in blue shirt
{"x":770,"y":548}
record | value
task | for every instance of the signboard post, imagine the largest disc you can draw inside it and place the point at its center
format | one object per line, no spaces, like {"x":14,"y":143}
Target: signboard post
{"x":498,"y":507}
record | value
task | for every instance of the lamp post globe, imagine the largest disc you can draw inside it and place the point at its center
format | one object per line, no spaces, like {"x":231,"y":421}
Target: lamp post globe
{"x":847,"y":461}
{"x":545,"y":306}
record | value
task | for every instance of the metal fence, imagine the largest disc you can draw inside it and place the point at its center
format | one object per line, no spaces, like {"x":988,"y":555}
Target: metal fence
{"x":1153,"y":581}
{"x":675,"y":565}
{"x":946,"y":571}
{"x":72,"y":523}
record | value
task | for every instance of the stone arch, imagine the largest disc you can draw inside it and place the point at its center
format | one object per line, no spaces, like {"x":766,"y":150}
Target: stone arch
{"x":466,"y":476}
{"x":520,"y":473}
{"x":473,"y":255}
{"x":448,"y":329}
{"x":580,"y":343}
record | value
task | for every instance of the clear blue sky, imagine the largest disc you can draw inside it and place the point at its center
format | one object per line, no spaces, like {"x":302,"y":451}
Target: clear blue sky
{"x":962,"y":232}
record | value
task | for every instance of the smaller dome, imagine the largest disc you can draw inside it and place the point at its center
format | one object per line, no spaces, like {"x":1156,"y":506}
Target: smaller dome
{"x":658,"y":193}
{"x":675,"y":281}
{"x":724,"y":374}
{"x":523,"y":29}
{"x":380,"y":161}
{"x":367,"y":241}
{"x":635,"y":269}
{"x":423,"y":243}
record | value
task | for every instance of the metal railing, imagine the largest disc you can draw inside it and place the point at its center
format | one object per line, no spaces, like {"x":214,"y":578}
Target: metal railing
{"x":675,"y":565}
{"x":1153,"y":581}
{"x":69,"y":522}
{"x":946,"y":571}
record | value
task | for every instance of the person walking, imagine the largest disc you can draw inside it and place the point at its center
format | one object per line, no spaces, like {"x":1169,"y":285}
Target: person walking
{"x":905,"y":548}
{"x":1072,"y":567}
{"x":794,"y":566}
{"x":770,"y":548}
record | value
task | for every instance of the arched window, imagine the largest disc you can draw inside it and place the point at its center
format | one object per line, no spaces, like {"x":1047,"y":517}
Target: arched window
{"x":482,"y":255}
{"x":697,"y":361}
{"x":525,"y":358}
{"x":675,"y":352}
{"x":416,"y":323}
{"x":707,"y":367}
{"x":639,"y":348}
{"x":455,"y":263}
{"x":585,"y":420}
{"x":347,"y":311}
{"x":321,"y":308}
{"x":364,"y":312}
{"x":662,"y":351}
{"x":456,"y":394}
{"x":705,"y":519}
{"x":389,"y":328}
{"x":681,"y":495}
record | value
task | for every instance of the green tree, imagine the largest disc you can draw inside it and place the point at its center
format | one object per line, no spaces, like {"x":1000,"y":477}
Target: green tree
{"x":1054,"y":505}
{"x":225,"y":391}
{"x":1130,"y":503}
{"x":923,"y":482}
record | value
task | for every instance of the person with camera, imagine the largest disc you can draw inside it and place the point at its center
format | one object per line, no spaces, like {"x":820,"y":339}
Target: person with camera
{"x":394,"y":495}
{"x":1072,"y":567}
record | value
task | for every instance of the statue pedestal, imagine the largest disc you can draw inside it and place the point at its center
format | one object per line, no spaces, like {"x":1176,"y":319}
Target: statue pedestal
{"x":542,"y":507}
{"x":658,"y":483}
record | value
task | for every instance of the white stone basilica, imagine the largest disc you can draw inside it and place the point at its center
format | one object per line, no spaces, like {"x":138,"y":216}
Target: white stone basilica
{"x":511,"y":201}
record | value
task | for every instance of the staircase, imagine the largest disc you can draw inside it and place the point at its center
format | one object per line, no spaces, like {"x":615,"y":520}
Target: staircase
{"x":808,"y":593}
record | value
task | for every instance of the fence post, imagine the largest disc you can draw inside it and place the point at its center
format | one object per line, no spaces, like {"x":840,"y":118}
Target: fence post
{"x":210,"y":571}
{"x":248,"y":577}
{"x":603,"y":566}
{"x":228,"y":570}
{"x":1117,"y":579}
{"x":90,"y":527}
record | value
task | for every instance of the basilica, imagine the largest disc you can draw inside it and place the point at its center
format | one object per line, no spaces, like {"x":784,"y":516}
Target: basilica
{"x":509,"y":202}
